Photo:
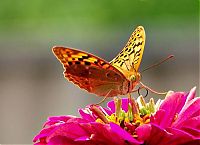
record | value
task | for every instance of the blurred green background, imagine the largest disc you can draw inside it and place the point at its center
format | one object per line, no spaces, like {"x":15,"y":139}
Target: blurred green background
{"x":32,"y":86}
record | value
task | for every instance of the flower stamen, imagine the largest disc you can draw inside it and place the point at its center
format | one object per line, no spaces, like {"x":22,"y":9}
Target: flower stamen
{"x":99,"y":113}
{"x":138,"y":113}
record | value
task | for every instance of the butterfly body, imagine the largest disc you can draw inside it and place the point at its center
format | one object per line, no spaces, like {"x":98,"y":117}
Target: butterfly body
{"x":100,"y":77}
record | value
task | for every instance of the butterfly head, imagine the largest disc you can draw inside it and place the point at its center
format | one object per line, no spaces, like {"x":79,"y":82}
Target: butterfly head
{"x":135,"y":78}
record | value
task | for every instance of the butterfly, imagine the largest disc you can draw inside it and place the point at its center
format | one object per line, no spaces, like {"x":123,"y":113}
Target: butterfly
{"x":100,"y":77}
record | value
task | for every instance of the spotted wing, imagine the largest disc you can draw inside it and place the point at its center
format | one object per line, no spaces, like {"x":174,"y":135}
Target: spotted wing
{"x":131,"y":55}
{"x":90,"y":72}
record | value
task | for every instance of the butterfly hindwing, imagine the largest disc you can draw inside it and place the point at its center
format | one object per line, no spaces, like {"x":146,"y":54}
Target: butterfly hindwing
{"x":131,"y":55}
{"x":90,"y":72}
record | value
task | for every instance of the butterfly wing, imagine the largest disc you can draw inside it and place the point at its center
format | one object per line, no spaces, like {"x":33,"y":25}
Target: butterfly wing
{"x":91,"y":72}
{"x":131,"y":55}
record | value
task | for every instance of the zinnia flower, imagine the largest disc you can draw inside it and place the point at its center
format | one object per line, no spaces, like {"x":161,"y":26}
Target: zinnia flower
{"x":172,"y":121}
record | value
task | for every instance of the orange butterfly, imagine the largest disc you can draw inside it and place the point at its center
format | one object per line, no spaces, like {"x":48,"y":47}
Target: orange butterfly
{"x":89,"y":72}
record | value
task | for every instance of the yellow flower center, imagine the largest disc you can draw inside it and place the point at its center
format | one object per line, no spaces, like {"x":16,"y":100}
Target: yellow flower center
{"x":135,"y":116}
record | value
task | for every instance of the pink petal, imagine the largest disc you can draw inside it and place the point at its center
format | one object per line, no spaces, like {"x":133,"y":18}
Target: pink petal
{"x":192,"y":109}
{"x":124,"y":134}
{"x":44,"y":133}
{"x":157,"y":118}
{"x":77,"y":120}
{"x":70,"y":130}
{"x":124,"y":106}
{"x":158,"y":136}
{"x":180,"y":136}
{"x":40,"y":143}
{"x":107,"y":111}
{"x":171,"y":106}
{"x":193,"y":123}
{"x":60,"y":140}
{"x":86,"y":115}
{"x":82,"y":138}
{"x":143,"y":132}
{"x":104,"y":133}
{"x":169,"y":136}
{"x":191,"y":94}
{"x":56,"y":119}
{"x":192,"y":131}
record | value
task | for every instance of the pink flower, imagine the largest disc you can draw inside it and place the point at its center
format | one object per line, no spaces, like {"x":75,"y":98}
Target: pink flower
{"x":177,"y":120}
{"x":174,"y":121}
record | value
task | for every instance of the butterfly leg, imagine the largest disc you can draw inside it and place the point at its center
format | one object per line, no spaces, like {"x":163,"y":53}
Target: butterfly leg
{"x":136,"y":90}
{"x":106,"y":96}
{"x":129,"y":96}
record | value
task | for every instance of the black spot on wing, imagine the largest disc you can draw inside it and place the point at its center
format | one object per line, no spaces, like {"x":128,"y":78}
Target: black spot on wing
{"x":77,"y":62}
{"x":85,"y":57}
{"x":116,"y":60}
{"x":70,"y":63}
{"x":103,"y":63}
{"x":80,"y":59}
{"x":138,"y":52}
{"x":87,"y":63}
{"x":136,"y":60}
{"x":125,"y":56}
{"x":96,"y":62}
{"x":121,"y":55}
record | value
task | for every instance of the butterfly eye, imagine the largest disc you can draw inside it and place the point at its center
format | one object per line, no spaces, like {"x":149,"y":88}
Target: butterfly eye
{"x":133,"y":78}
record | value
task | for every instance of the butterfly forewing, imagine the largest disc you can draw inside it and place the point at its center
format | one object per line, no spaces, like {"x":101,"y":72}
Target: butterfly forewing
{"x":90,"y":72}
{"x":99,"y":76}
{"x":131,"y":55}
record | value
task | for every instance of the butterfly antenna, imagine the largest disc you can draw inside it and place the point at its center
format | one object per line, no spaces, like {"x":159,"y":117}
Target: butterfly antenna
{"x":158,"y":63}
{"x":151,"y":90}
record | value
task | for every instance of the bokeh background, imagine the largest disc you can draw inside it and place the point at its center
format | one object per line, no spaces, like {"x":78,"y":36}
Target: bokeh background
{"x":32,"y":86}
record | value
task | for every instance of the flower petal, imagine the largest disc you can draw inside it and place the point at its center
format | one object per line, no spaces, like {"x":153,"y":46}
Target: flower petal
{"x":143,"y":132}
{"x":44,"y":133}
{"x":157,"y":118}
{"x":191,"y":110}
{"x":71,"y":130}
{"x":171,"y":136}
{"x":181,"y":137}
{"x":177,"y":100}
{"x":85,"y":113}
{"x":191,"y":94}
{"x":124,"y":134}
{"x":124,"y":106}
{"x":158,"y":136}
{"x":60,"y":140}
{"x":192,"y":122}
{"x":104,"y":133}
{"x":57,"y":119}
